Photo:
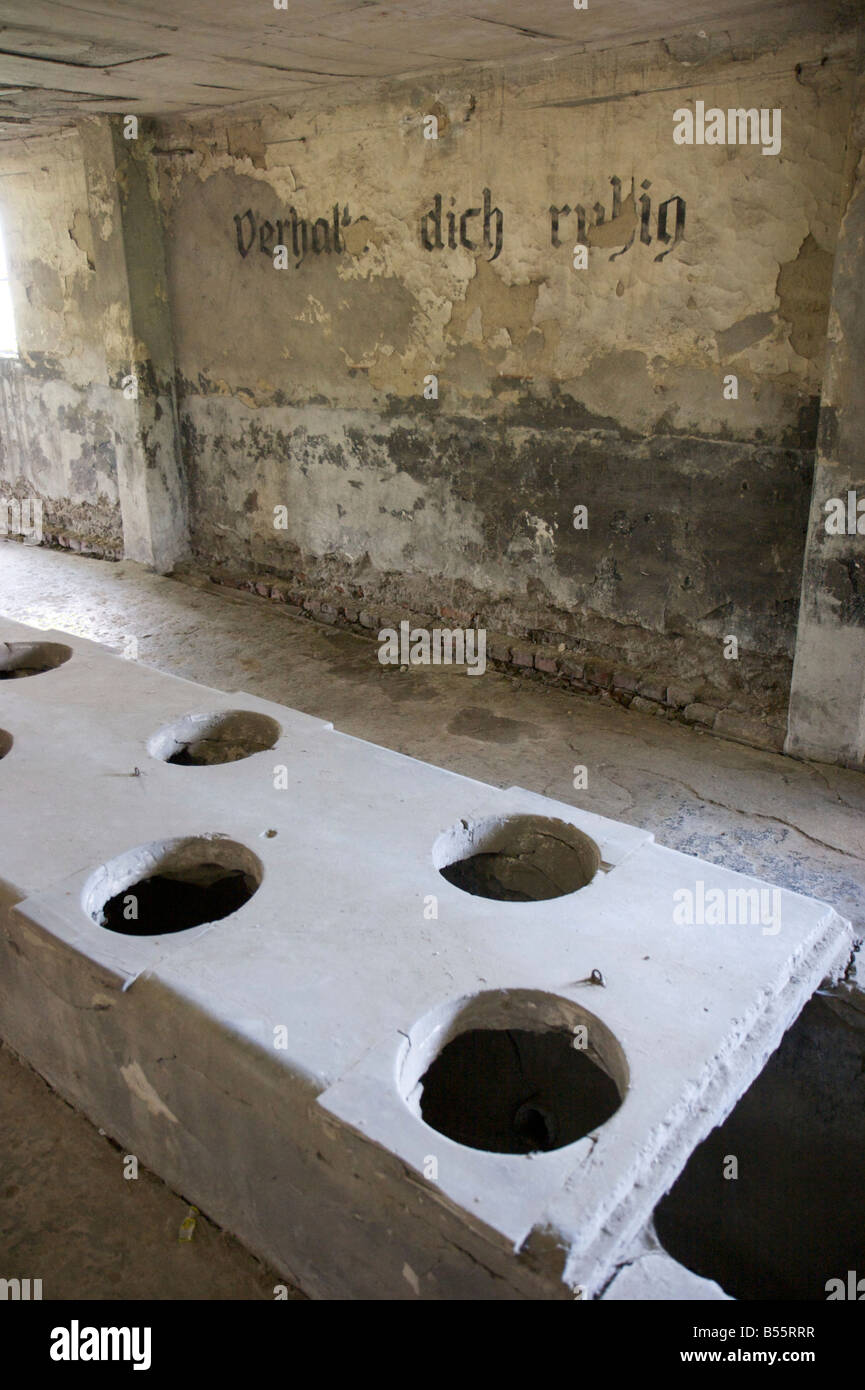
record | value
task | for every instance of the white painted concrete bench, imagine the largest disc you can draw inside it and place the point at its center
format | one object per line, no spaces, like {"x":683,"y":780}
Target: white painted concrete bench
{"x":274,"y":1066}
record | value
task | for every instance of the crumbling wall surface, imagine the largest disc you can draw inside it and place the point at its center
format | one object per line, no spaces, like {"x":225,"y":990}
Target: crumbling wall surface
{"x":827,"y":703}
{"x":61,"y":412}
{"x":303,"y":387}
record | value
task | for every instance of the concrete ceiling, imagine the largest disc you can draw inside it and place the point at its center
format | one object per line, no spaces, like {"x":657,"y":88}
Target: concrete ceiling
{"x":62,"y":60}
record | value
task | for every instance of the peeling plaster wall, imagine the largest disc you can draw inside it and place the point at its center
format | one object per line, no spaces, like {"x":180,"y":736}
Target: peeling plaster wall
{"x":304,"y":387}
{"x":62,"y":415}
{"x":827,"y":701}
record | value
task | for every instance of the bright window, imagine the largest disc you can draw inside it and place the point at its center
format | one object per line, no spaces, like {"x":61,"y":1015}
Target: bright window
{"x":8,"y":341}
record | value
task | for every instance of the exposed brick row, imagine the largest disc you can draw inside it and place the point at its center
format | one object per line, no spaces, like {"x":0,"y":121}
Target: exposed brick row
{"x":569,"y":669}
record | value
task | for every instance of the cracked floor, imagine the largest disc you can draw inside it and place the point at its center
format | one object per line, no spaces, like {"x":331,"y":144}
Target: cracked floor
{"x":795,"y":824}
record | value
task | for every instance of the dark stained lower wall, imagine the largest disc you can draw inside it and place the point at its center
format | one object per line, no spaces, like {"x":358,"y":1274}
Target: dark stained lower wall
{"x":688,"y":539}
{"x":668,"y":383}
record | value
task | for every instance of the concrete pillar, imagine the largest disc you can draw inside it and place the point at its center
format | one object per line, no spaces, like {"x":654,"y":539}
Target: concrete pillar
{"x":827,"y":700}
{"x":129,"y":259}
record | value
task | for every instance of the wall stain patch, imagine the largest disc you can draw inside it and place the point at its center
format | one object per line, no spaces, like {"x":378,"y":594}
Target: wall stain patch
{"x":803,"y":289}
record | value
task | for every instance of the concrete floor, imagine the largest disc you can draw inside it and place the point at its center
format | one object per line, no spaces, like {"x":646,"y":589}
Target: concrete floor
{"x":796,"y":824}
{"x":69,"y":1217}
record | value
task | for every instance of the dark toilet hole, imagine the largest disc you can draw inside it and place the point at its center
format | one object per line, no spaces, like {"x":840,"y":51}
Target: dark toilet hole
{"x":514,"y":1091}
{"x":488,"y":876}
{"x":537,"y":1126}
{"x":794,"y":1216}
{"x":185,"y":758}
{"x":21,"y":659}
{"x":160,"y":905}
{"x":189,"y":883}
{"x":223,"y":736}
{"x":519,"y":858}
{"x":500,"y":1071}
{"x":5,"y":743}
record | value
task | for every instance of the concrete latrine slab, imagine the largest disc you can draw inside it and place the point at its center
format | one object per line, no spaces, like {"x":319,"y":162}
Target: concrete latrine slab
{"x":403,"y":1033}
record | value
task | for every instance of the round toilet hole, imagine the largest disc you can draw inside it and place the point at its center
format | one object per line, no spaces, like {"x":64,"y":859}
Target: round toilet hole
{"x":172,"y":886}
{"x":220,"y":736}
{"x":5,"y":743}
{"x":508,"y":1078}
{"x":20,"y":659}
{"x":519,"y":858}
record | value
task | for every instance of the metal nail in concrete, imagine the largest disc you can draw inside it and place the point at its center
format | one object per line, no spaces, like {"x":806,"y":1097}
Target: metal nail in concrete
{"x":281,"y":1065}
